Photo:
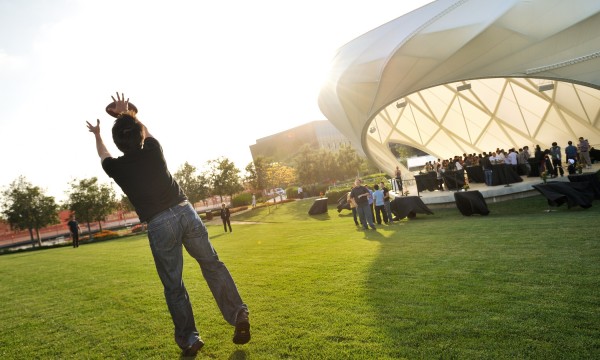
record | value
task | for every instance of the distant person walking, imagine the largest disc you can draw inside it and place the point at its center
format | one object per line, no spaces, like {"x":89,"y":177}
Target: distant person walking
{"x":75,"y":230}
{"x":253,"y":201}
{"x":225,"y":217}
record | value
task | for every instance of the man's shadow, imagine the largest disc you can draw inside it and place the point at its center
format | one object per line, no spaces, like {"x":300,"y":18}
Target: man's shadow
{"x":238,"y":355}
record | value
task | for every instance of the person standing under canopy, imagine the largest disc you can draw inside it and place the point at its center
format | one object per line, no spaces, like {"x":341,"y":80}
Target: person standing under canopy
{"x":398,"y":180}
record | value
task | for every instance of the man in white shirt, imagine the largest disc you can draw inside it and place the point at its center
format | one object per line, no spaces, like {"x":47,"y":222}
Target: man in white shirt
{"x":511,"y":159}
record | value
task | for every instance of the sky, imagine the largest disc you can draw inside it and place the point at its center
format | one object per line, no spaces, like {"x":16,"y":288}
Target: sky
{"x":209,"y":78}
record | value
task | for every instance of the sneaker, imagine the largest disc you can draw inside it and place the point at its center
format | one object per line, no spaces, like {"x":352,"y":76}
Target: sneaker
{"x":193,"y":349}
{"x":241,"y":334}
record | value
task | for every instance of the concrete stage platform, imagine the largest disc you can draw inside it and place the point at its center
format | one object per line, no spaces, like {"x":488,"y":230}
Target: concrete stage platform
{"x":490,"y":193}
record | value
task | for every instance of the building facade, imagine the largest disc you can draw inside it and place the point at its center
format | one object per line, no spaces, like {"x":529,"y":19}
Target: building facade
{"x":283,"y":146}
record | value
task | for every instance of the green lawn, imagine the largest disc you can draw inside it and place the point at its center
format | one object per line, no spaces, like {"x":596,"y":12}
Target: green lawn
{"x":519,"y":283}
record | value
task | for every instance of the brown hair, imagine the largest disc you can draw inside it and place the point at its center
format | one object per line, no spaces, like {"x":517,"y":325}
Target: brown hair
{"x":128,"y":132}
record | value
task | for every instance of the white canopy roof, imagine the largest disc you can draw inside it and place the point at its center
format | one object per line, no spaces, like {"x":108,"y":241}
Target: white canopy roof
{"x":470,"y":76}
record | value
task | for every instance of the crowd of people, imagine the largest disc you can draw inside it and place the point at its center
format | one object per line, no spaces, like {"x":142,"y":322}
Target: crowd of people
{"x":372,"y":205}
{"x":548,"y":161}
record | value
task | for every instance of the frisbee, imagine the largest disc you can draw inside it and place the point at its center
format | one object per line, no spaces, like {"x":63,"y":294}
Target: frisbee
{"x":110,"y":109}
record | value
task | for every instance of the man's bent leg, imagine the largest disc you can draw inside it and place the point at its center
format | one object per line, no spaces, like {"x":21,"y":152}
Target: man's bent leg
{"x":215,"y":272}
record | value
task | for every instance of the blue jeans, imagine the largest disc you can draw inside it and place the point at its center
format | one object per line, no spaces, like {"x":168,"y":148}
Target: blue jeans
{"x":354,"y":214}
{"x":488,"y":177}
{"x":168,"y":231}
{"x":366,"y":216}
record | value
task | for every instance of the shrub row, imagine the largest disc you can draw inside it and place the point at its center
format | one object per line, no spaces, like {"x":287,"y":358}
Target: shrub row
{"x":209,"y":215}
{"x":334,"y":195}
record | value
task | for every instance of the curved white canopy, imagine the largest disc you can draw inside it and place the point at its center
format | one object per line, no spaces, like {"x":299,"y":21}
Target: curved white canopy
{"x":528,"y":73}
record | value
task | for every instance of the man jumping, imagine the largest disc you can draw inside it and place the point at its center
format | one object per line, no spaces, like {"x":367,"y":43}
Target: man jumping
{"x":173,"y":223}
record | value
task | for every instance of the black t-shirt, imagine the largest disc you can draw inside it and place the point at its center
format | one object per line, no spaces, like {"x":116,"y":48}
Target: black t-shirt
{"x":485,"y":162}
{"x":386,"y":194}
{"x":144,"y":178}
{"x":225,"y":213}
{"x":73,"y":226}
{"x":359,"y":190}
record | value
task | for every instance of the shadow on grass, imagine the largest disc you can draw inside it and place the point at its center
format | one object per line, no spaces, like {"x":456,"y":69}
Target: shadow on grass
{"x":373,"y":235}
{"x":444,"y":285}
{"x":321,"y":217}
{"x":239,"y":355}
{"x":212,"y":235}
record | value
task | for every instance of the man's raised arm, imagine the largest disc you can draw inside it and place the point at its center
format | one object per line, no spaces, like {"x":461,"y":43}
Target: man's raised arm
{"x":100,"y":147}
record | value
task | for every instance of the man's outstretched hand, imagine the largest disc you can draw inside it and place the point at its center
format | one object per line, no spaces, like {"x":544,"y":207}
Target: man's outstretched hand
{"x":94,"y":129}
{"x":121,"y":105}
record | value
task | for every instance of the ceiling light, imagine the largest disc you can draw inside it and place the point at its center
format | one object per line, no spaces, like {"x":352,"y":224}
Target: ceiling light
{"x":463,"y":87}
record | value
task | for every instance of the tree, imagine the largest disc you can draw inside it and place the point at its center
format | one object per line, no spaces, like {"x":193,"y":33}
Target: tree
{"x":279,"y":174}
{"x":323,"y":165}
{"x":251,"y":178}
{"x":27,"y":207}
{"x":91,"y":201}
{"x":106,"y":203}
{"x":403,"y":152}
{"x":327,"y":168}
{"x":125,"y":204}
{"x":193,"y":185}
{"x":305,"y":162}
{"x":224,"y":177}
{"x":256,"y":171}
{"x":349,"y":162}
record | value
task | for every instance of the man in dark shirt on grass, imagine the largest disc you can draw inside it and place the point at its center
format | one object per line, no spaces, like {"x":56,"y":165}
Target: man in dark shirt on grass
{"x":173,"y":223}
{"x":361,"y":195}
{"x":75,"y":230}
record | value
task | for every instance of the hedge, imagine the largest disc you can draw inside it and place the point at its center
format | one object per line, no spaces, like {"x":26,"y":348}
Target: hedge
{"x":334,"y":195}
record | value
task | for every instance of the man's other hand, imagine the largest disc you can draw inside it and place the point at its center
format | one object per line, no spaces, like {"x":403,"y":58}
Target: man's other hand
{"x":94,"y":129}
